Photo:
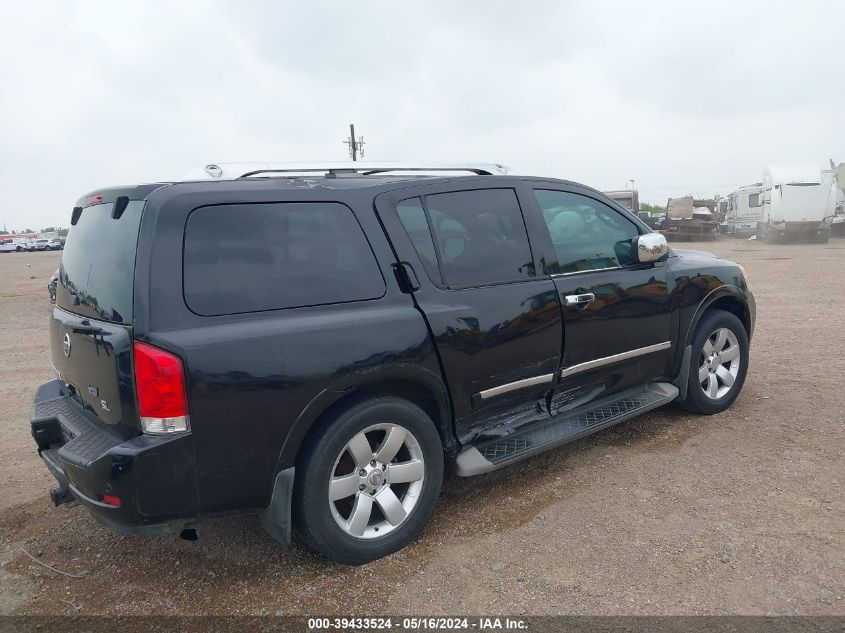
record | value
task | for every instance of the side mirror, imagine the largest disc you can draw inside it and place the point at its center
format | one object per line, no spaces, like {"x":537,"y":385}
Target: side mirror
{"x":650,"y":247}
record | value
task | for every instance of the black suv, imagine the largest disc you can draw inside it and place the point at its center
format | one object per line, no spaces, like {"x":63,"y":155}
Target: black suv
{"x":316,"y":344}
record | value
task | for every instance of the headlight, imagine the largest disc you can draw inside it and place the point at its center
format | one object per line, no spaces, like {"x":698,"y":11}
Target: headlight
{"x":744,"y":273}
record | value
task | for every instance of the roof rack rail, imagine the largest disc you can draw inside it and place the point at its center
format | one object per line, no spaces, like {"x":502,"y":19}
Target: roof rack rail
{"x":234,"y":171}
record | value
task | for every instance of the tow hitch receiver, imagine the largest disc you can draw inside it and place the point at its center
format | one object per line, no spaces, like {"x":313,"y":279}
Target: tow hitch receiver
{"x":62,"y":496}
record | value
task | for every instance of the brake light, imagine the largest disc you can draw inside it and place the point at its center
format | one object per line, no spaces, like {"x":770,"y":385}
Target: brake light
{"x":160,"y":386}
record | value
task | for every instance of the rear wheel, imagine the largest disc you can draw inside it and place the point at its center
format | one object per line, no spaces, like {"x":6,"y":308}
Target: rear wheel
{"x":771,"y":236}
{"x":718,"y":363}
{"x":367,"y":485}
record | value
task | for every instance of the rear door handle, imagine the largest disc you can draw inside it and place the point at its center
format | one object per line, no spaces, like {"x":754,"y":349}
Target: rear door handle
{"x":407,"y":277}
{"x":579,"y":300}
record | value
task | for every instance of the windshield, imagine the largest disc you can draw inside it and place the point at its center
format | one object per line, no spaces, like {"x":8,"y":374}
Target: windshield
{"x":98,"y":264}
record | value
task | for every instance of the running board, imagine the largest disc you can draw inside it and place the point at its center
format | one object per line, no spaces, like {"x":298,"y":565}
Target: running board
{"x":563,"y":428}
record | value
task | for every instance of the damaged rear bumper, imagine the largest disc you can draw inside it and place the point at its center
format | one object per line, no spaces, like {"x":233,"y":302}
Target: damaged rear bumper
{"x":134,"y":485}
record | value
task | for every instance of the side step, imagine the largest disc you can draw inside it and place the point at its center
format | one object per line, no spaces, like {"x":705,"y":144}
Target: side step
{"x":562,"y":429}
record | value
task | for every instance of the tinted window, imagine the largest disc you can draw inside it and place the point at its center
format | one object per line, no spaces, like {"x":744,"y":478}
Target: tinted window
{"x":98,"y":264}
{"x":412,"y":216}
{"x":754,"y":200}
{"x":480,"y":237}
{"x":251,"y":257}
{"x":587,"y":235}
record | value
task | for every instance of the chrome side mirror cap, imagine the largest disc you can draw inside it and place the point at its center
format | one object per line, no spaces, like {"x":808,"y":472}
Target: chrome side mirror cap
{"x":650,"y":247}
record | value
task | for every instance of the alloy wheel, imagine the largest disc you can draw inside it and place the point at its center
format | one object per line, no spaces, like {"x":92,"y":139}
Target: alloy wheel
{"x":719,"y":363}
{"x":376,"y":481}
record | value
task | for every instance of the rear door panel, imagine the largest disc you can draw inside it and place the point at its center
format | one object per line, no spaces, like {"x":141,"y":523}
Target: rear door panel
{"x":489,"y":338}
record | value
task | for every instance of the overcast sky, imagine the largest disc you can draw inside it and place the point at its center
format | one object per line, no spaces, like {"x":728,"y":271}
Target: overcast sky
{"x":682,"y":97}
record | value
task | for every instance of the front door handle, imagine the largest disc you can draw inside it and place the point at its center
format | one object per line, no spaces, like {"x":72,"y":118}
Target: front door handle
{"x":579,"y":300}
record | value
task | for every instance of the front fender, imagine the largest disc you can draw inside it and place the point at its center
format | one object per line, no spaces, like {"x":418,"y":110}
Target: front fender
{"x":728,"y":290}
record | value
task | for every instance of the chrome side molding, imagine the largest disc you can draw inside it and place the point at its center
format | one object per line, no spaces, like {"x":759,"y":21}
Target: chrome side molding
{"x":574,"y":369}
{"x":615,"y":358}
{"x":513,"y":386}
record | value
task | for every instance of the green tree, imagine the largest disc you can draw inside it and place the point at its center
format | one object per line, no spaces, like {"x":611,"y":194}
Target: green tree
{"x":652,"y":209}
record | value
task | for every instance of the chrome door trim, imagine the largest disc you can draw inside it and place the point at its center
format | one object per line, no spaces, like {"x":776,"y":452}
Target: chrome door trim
{"x":513,"y":386}
{"x":581,"y":272}
{"x":615,"y":358}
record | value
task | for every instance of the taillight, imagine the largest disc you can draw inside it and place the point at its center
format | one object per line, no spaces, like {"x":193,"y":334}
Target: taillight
{"x":160,"y":385}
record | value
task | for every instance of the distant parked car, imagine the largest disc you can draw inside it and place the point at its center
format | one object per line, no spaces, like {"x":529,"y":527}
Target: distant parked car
{"x":653,"y":221}
{"x":55,"y":244}
{"x":40,"y":245}
{"x":14,"y":245}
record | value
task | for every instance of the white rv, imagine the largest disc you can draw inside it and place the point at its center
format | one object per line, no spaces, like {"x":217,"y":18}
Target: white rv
{"x":745,"y":206}
{"x":798,"y":200}
{"x":838,"y":224}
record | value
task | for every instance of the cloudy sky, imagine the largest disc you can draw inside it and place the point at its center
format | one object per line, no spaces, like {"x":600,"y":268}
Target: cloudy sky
{"x":683,"y":97}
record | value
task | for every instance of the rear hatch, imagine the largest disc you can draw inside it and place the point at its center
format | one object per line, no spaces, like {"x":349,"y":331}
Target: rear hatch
{"x":91,"y":327}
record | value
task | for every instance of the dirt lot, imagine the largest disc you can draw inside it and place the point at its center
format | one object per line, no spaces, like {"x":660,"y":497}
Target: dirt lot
{"x":671,"y":513}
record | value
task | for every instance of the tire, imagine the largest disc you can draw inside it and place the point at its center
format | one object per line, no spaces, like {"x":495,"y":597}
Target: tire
{"x":329,"y":526}
{"x":771,"y":237}
{"x":701,"y":396}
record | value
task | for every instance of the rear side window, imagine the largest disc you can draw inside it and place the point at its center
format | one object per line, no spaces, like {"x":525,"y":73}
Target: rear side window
{"x":97,"y":274}
{"x":480,"y":237}
{"x":254,"y":257}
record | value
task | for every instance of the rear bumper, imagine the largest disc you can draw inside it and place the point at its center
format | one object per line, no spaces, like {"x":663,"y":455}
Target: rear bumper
{"x":153,"y":477}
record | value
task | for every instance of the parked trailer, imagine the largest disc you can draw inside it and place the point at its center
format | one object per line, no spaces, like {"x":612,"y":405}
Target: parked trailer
{"x":799,"y":200}
{"x":628,"y":198}
{"x":837,"y":225}
{"x":688,"y":218}
{"x":744,"y":209}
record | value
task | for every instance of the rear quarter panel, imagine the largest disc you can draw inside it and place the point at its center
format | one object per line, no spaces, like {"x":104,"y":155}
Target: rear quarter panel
{"x":257,"y":381}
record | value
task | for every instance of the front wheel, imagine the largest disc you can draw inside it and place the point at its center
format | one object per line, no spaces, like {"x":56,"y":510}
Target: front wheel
{"x":718,"y":363}
{"x":367,"y":484}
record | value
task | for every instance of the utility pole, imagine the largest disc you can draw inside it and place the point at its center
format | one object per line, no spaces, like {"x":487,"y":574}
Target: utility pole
{"x":356,"y":146}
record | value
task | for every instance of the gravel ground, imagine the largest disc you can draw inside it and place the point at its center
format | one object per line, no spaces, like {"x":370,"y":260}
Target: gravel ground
{"x":738,"y":513}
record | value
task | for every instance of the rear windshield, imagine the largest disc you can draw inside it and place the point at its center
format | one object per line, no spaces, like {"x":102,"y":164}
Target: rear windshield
{"x":98,"y":264}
